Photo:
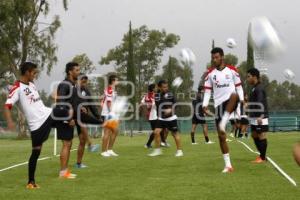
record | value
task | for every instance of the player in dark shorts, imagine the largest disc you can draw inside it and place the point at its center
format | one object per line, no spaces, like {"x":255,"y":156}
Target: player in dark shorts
{"x":258,"y":114}
{"x":88,"y":115}
{"x":149,"y":101}
{"x":40,"y":118}
{"x":167,"y":119}
{"x":199,"y":118}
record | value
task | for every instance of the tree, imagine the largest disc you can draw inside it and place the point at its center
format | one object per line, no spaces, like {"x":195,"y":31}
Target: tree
{"x":86,"y":65}
{"x":23,"y":37}
{"x":172,"y":70}
{"x":148,"y":48}
{"x":231,"y":59}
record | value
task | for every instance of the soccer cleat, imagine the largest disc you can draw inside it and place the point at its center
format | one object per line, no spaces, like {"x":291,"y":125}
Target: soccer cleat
{"x":80,"y":166}
{"x":105,"y":154}
{"x":32,"y":186}
{"x":179,"y":153}
{"x":67,"y":175}
{"x":227,"y":170}
{"x":163,"y":144}
{"x":156,"y":152}
{"x":194,"y":143}
{"x":209,"y":142}
{"x":94,"y":148}
{"x":112,"y":153}
{"x":258,"y":160}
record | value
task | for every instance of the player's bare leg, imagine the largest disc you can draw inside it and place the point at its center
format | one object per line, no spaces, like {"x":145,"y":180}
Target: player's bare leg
{"x":64,"y":159}
{"x":81,"y":147}
{"x":112,"y":139}
{"x":157,"y":140}
{"x":194,"y":126}
{"x":176,"y":137}
{"x":105,"y":142}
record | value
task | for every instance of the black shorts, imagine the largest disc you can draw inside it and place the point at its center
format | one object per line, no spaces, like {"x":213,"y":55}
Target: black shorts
{"x":39,"y":136}
{"x":170,"y":125}
{"x":244,"y":121}
{"x":198,"y":119}
{"x":221,"y":110}
{"x":260,"y":128}
{"x":153,"y":124}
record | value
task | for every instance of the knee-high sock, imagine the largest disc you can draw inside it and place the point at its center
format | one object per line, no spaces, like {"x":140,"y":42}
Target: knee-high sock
{"x":32,"y":164}
{"x":151,"y":138}
{"x":263,"y":148}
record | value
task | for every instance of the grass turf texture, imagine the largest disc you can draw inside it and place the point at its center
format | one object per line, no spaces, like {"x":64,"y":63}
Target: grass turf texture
{"x":134,"y":175}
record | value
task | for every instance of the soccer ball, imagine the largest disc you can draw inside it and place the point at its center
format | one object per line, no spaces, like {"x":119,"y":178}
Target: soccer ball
{"x":265,"y":38}
{"x":177,"y":82}
{"x":296,"y":152}
{"x":289,"y":74}
{"x":230,"y":42}
{"x":187,"y":57}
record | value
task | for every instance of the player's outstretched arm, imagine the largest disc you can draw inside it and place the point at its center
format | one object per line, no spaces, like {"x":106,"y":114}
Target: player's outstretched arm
{"x":8,"y":117}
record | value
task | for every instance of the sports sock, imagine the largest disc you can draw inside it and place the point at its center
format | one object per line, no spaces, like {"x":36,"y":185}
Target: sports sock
{"x":206,"y":139}
{"x":151,"y":138}
{"x":32,"y":164}
{"x":263,"y":148}
{"x":193,"y":137}
{"x":224,"y":120}
{"x":257,"y":144}
{"x":227,"y":160}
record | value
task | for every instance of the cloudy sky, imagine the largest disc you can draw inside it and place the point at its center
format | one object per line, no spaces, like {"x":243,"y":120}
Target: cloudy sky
{"x":95,"y":26}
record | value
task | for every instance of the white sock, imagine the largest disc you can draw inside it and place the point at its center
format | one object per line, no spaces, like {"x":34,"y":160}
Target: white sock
{"x":227,"y":160}
{"x":225,"y":119}
{"x":62,"y":172}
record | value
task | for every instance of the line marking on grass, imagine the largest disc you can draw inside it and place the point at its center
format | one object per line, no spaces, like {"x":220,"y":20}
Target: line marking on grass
{"x":25,"y":163}
{"x":273,"y":163}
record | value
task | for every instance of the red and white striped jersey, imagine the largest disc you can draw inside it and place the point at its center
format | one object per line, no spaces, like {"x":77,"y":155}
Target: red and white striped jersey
{"x":109,"y":96}
{"x":30,"y":103}
{"x":223,"y":83}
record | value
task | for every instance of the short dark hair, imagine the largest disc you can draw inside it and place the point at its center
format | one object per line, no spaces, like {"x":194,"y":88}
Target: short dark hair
{"x":27,"y":66}
{"x":161,"y":82}
{"x":112,"y":78}
{"x":83,"y":77}
{"x":254,"y":72}
{"x":70,"y":66}
{"x":151,"y":87}
{"x":217,"y":50}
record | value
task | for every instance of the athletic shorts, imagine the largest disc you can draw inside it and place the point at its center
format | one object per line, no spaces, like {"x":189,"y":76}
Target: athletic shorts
{"x":244,"y":121}
{"x":220,"y":111}
{"x":153,"y":124}
{"x":170,"y":125}
{"x":39,"y":136}
{"x":260,"y":128}
{"x":198,"y":119}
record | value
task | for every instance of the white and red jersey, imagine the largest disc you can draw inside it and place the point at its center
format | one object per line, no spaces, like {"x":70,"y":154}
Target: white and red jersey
{"x":223,"y":83}
{"x":30,"y":103}
{"x":109,"y":96}
{"x":149,"y":101}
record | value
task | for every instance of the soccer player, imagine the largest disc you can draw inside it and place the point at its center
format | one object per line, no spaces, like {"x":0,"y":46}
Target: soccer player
{"x":199,"y":118}
{"x":244,"y":118}
{"x":167,"y":119}
{"x":225,"y":82}
{"x":110,"y":135}
{"x":258,"y":114}
{"x":149,"y":101}
{"x":40,"y":118}
{"x":89,"y":106}
{"x":66,"y":92}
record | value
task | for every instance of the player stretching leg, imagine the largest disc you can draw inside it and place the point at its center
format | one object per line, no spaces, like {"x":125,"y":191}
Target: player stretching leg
{"x":40,"y":118}
{"x":225,"y":82}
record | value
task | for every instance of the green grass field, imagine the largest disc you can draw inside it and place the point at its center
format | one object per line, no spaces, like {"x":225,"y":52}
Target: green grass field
{"x":134,"y":175}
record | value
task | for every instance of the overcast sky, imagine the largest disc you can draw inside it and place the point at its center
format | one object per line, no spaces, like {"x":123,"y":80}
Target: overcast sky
{"x":95,"y":26}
